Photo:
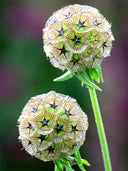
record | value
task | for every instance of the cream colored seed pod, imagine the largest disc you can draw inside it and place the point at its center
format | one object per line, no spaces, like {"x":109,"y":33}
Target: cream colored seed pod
{"x":52,"y":126}
{"x":76,"y":37}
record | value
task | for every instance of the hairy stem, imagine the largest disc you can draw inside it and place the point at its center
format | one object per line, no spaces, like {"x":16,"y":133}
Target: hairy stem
{"x":100,"y":128}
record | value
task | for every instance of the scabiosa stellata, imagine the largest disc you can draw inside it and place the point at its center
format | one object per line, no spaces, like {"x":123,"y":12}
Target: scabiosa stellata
{"x":52,"y":126}
{"x":77,"y":37}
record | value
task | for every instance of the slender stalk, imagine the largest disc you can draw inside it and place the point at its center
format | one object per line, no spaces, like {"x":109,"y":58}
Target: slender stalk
{"x":100,"y":128}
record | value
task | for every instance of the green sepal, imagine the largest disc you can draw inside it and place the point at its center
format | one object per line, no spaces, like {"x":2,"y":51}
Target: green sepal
{"x":58,"y":166}
{"x":85,"y":79}
{"x":66,"y":164}
{"x":85,"y":162}
{"x":98,"y":69}
{"x":79,"y":160}
{"x":65,"y":76}
{"x":95,"y":73}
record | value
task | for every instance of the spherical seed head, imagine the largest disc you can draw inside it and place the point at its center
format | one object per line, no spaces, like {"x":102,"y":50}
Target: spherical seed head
{"x":76,"y":37}
{"x":52,"y":126}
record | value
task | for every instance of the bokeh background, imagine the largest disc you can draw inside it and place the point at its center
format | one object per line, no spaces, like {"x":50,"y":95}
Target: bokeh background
{"x":25,"y":72}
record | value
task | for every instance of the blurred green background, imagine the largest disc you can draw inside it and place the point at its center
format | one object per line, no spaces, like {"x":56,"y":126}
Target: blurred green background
{"x":25,"y":72}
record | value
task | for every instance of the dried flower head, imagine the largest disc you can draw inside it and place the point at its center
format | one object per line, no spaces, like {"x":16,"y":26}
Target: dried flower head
{"x":52,"y":126}
{"x":76,"y":37}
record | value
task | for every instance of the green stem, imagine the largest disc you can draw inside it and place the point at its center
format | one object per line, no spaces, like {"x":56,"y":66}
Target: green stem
{"x":100,"y":128}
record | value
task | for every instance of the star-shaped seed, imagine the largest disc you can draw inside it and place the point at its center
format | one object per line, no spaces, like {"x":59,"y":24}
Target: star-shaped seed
{"x":29,"y":142}
{"x":104,"y":45}
{"x":74,"y":145}
{"x":35,"y":109}
{"x":29,"y":126}
{"x":61,"y":32}
{"x":53,"y":105}
{"x":59,"y":128}
{"x":67,"y":112}
{"x":42,"y":138}
{"x":69,"y":15}
{"x":96,"y":23}
{"x":50,"y":149}
{"x":74,"y":61}
{"x":45,"y":122}
{"x":81,"y":24}
{"x":76,"y":40}
{"x":63,"y":50}
{"x":74,"y":129}
{"x":54,"y":21}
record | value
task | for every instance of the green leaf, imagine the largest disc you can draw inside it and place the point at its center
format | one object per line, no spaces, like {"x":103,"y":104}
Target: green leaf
{"x":65,"y":76}
{"x":83,"y":77}
{"x":85,"y":162}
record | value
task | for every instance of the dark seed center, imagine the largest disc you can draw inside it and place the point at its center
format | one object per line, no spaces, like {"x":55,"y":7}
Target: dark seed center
{"x":76,"y":40}
{"x":63,"y":50}
{"x":81,"y":24}
{"x":59,"y":128}
{"x":74,"y":129}
{"x":69,"y":15}
{"x":29,"y":126}
{"x":35,"y":109}
{"x":96,"y":23}
{"x":42,"y":138}
{"x":61,"y":32}
{"x":45,"y":122}
{"x":50,"y":149}
{"x":74,"y":61}
{"x":67,"y":112}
